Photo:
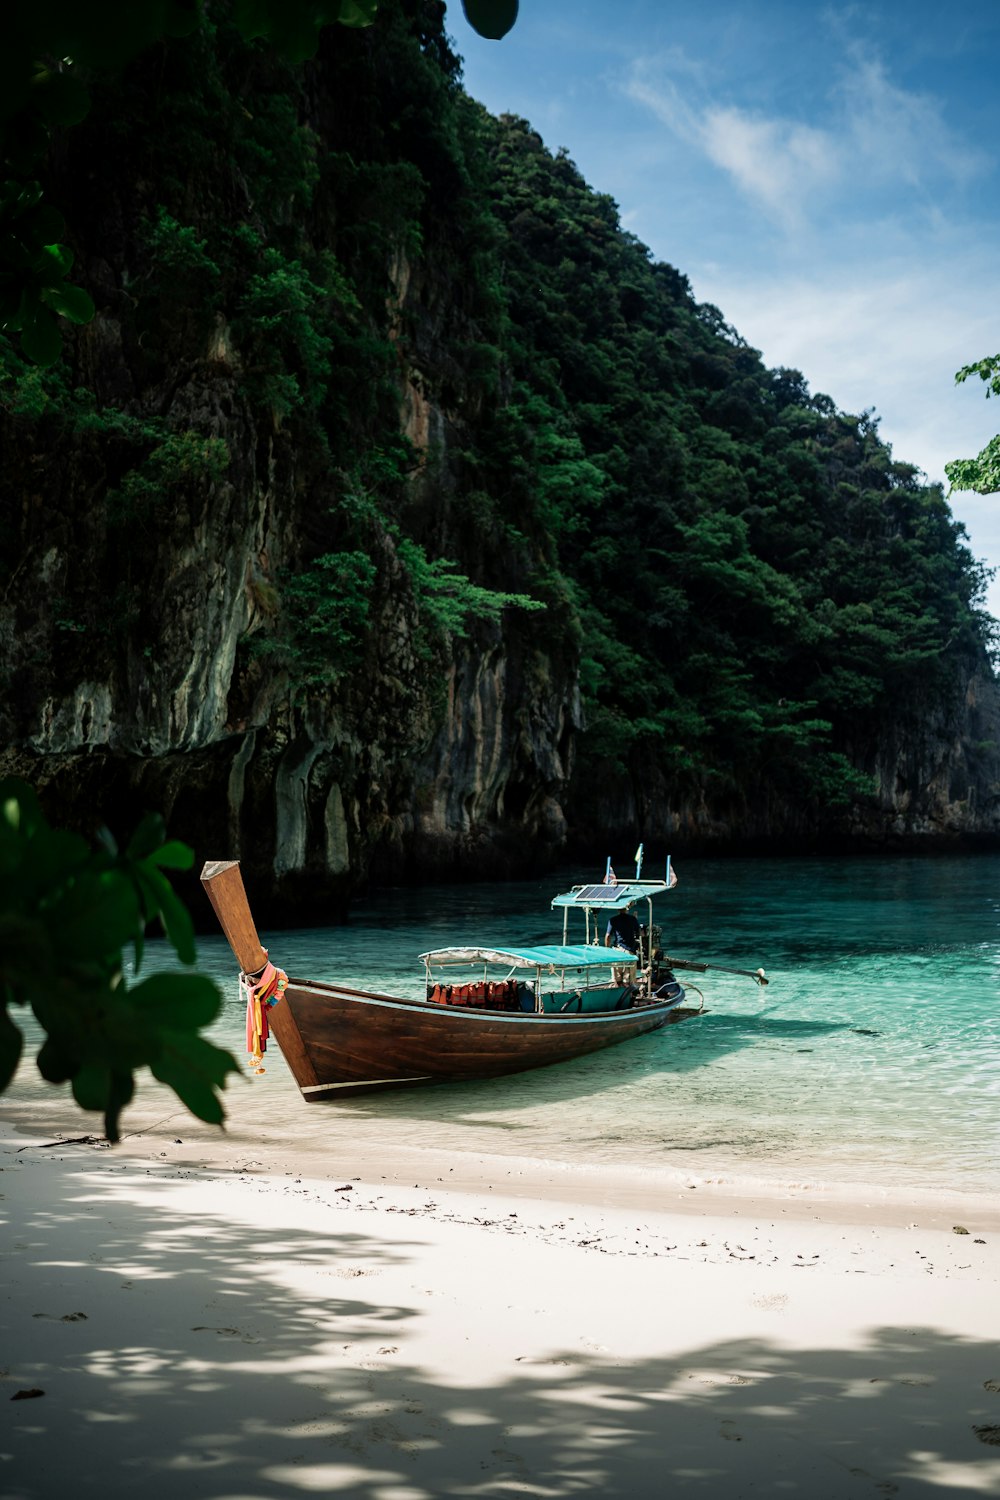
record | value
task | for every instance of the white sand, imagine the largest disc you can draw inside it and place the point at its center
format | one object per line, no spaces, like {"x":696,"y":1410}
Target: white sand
{"x":282,"y":1312}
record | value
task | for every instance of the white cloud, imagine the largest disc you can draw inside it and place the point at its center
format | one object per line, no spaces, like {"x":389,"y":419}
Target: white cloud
{"x":899,"y":134}
{"x":778,"y":162}
{"x":871,"y":132}
{"x":663,"y":97}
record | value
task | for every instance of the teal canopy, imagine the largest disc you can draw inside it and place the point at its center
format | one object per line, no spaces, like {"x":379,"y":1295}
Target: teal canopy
{"x":550,"y":956}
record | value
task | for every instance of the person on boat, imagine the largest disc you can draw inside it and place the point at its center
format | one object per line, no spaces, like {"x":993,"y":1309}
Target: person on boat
{"x":623,"y":930}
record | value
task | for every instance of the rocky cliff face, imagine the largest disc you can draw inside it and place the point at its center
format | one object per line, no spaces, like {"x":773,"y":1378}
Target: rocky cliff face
{"x":130,"y":683}
{"x":937,"y":781}
{"x":933,"y":784}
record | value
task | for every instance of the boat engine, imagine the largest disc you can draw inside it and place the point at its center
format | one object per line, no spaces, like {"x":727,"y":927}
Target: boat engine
{"x":650,"y":943}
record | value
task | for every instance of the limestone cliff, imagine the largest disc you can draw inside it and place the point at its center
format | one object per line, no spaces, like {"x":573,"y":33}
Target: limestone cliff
{"x":131,"y":684}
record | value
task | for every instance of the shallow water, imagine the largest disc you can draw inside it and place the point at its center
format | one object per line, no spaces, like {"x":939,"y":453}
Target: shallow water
{"x":872,"y":1057}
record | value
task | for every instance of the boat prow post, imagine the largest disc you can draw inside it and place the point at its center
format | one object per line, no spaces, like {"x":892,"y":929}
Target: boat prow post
{"x":223,"y":884}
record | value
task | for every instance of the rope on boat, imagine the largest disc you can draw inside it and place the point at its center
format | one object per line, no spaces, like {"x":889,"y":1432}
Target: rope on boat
{"x":263,"y":989}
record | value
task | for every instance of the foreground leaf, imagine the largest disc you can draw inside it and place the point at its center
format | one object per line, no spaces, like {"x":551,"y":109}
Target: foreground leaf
{"x":182,"y":1002}
{"x":173,"y":856}
{"x":92,"y":1086}
{"x":119,"y":1095}
{"x":147,"y":837}
{"x":66,"y":913}
{"x":40,"y":338}
{"x":163,"y":903}
{"x":491,"y":18}
{"x":195,"y":1069}
{"x":11,"y":1046}
{"x":70,"y":302}
{"x":94,"y":918}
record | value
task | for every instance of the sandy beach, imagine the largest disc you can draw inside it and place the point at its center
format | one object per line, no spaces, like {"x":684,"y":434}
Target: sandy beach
{"x":266,"y":1313}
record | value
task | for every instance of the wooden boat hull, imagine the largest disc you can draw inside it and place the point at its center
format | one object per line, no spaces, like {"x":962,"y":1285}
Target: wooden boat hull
{"x":338,"y":1041}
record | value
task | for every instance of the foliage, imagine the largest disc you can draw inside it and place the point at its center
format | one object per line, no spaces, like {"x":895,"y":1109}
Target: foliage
{"x":987,"y":369}
{"x":39,"y":94}
{"x":983,"y":472}
{"x":67,"y":912}
{"x":282,"y":318}
{"x":181,"y":281}
{"x":322,"y":613}
{"x":293,"y":29}
{"x":447,"y":599}
{"x":181,"y":459}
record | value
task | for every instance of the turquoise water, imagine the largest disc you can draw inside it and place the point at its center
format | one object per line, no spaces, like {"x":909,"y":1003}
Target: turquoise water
{"x":873,"y":1057}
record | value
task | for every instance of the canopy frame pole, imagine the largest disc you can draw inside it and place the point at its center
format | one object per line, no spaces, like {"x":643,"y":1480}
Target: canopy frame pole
{"x":649,"y":949}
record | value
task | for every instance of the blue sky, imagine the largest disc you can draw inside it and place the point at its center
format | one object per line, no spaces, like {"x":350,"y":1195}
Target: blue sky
{"x":827,"y":175}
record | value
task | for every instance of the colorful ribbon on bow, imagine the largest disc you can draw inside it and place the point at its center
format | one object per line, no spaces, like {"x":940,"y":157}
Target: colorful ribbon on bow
{"x":262,"y":991}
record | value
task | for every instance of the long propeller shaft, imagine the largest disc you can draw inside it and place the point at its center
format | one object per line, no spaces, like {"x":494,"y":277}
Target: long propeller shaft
{"x":757,"y":975}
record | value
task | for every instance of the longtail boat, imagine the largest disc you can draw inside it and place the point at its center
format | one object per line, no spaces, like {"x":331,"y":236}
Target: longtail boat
{"x":488,"y":1009}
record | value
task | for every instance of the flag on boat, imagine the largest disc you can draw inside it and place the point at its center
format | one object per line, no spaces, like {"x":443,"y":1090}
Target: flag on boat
{"x":610,"y":877}
{"x":638,"y":861}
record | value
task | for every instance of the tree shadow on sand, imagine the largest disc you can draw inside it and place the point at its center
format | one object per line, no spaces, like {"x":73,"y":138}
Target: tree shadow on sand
{"x":307,"y":1384}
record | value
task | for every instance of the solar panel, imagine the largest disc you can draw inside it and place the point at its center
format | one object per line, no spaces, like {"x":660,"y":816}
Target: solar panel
{"x":596,"y":893}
